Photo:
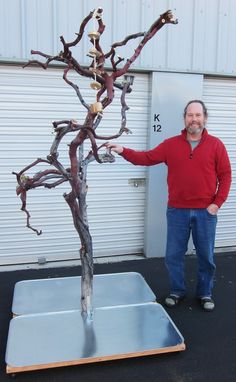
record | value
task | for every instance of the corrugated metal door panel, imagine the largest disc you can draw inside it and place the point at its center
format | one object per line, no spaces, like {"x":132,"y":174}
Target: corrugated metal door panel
{"x":29,"y":100}
{"x":219,"y":95}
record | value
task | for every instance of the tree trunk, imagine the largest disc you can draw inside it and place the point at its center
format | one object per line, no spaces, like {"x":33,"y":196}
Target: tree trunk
{"x":79,"y":212}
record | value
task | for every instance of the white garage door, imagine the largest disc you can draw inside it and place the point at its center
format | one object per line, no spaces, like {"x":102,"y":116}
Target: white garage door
{"x":29,"y":100}
{"x":220,"y":98}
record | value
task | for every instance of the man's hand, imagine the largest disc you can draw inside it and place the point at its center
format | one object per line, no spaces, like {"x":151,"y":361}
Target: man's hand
{"x":212,"y":209}
{"x":115,"y":147}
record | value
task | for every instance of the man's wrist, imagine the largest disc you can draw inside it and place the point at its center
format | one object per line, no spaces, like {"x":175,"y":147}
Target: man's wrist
{"x":213,"y":209}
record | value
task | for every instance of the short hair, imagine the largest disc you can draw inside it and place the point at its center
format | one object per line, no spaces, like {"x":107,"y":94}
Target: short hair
{"x":205,"y":112}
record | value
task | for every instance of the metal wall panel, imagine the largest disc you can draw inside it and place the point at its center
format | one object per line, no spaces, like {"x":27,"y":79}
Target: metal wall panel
{"x":29,"y":100}
{"x":170,"y":94}
{"x":220,"y":97}
{"x":11,"y":21}
{"x":202,"y":41}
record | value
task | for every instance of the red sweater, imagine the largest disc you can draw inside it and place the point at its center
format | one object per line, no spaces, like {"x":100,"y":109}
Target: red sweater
{"x":196,"y":178}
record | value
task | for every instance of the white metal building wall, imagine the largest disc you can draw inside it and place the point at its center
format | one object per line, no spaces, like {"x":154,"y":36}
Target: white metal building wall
{"x":201,"y":42}
{"x":29,"y":100}
{"x":219,"y":95}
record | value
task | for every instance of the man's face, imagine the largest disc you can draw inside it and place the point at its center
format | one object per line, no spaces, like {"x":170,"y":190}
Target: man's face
{"x":195,"y":119}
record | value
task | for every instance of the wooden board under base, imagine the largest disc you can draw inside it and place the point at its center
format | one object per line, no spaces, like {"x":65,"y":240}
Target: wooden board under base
{"x":13,"y":370}
{"x":43,"y":341}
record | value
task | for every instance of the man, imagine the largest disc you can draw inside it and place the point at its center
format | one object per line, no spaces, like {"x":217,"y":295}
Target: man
{"x":199,"y":178}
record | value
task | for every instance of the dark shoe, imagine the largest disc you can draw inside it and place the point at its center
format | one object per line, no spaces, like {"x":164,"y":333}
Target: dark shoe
{"x":173,"y":300}
{"x":207,"y":304}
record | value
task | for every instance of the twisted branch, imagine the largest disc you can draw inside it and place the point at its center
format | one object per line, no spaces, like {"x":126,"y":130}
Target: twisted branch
{"x":76,"y":174}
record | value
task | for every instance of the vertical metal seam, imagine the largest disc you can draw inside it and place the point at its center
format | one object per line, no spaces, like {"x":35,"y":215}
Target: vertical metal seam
{"x":23,"y":28}
{"x":54,"y":27}
{"x":193,"y":34}
{"x":217,"y":36}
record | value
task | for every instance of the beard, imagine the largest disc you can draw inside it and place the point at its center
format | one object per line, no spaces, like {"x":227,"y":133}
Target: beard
{"x":194,"y":130}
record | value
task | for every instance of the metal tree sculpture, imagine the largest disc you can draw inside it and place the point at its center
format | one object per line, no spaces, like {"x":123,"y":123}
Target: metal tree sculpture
{"x":76,"y":174}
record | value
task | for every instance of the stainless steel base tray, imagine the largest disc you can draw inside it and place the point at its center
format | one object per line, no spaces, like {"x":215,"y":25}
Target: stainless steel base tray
{"x":40,"y":341}
{"x":62,"y":294}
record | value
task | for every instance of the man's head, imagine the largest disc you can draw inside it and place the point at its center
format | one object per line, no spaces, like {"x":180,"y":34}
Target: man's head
{"x":195,"y":118}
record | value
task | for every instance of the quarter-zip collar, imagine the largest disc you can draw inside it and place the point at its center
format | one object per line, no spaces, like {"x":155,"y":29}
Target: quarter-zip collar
{"x":203,"y":137}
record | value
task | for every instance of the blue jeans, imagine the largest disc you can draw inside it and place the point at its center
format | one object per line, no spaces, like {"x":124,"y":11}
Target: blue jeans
{"x":180,"y":223}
